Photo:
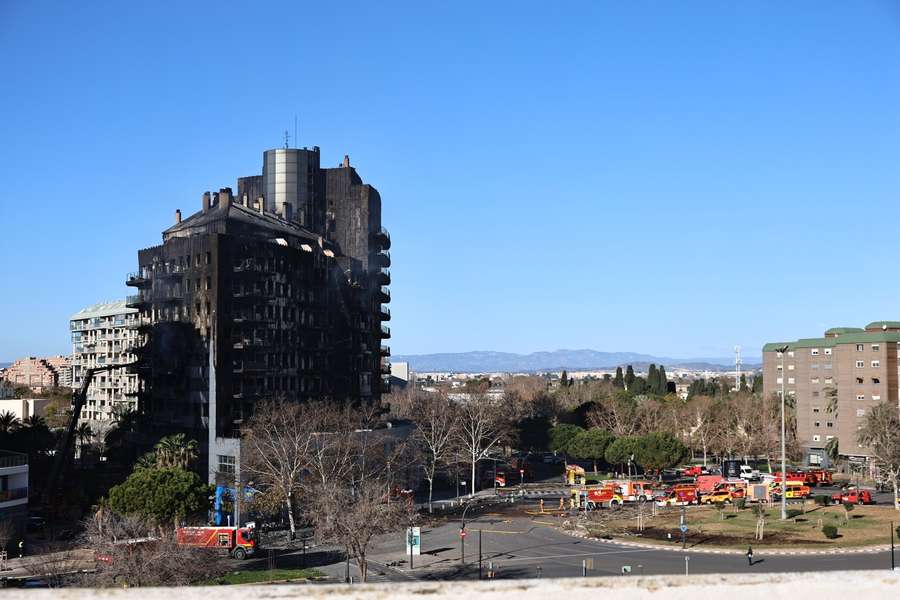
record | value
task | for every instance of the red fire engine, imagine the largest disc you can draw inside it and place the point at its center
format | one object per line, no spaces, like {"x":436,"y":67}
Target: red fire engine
{"x":239,"y":542}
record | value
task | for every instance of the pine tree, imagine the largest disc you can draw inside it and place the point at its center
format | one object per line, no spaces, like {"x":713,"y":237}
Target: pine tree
{"x":564,"y":379}
{"x":629,"y":377}
{"x":619,"y":381}
{"x":638,"y":386}
{"x":652,"y":379}
{"x":743,"y":386}
{"x":663,"y":381}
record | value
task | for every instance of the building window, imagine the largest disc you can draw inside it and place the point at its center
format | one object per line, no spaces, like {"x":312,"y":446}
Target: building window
{"x":778,"y":355}
{"x":876,"y":398}
{"x":829,"y":380}
{"x":815,"y":410}
{"x":859,"y":347}
{"x":790,"y":367}
{"x":828,"y":438}
{"x":814,"y":351}
{"x":829,"y":424}
{"x":876,"y":381}
{"x":778,"y":367}
{"x":827,"y":365}
{"x":790,"y":354}
{"x":779,"y":380}
{"x":876,"y":347}
{"x":226,"y":464}
{"x":859,"y":380}
{"x":860,"y":397}
{"x":817,"y":424}
{"x":827,"y":351}
{"x":876,"y":364}
{"x":814,"y":380}
{"x":815,"y":394}
{"x":860,"y":364}
{"x":860,"y":412}
{"x":790,"y":380}
{"x":816,"y":438}
{"x":814,"y":365}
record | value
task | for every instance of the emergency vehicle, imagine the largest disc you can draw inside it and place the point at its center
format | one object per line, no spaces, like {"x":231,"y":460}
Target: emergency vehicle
{"x":239,"y":542}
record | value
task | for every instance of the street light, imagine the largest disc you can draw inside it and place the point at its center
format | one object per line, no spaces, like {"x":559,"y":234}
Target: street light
{"x":781,"y":351}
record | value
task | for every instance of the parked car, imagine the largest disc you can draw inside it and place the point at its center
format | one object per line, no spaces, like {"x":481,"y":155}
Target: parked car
{"x":720,"y":495}
{"x":853,"y":495}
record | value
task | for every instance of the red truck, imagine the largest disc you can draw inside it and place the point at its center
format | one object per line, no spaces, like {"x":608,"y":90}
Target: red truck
{"x":853,"y":496}
{"x":239,"y":542}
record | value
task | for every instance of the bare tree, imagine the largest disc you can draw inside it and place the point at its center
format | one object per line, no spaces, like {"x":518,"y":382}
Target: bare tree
{"x":881,"y":434}
{"x":617,"y":413}
{"x":702,"y":418}
{"x":58,"y":565}
{"x":131,"y":551}
{"x":482,"y":427}
{"x":435,"y":417}
{"x":278,"y":446}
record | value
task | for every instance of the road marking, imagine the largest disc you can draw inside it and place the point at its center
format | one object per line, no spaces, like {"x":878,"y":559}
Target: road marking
{"x":498,"y":531}
{"x":550,"y":556}
{"x":546,"y":523}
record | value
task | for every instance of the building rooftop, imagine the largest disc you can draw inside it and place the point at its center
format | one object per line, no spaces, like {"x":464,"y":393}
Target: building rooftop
{"x":856,"y":337}
{"x":103,"y":309}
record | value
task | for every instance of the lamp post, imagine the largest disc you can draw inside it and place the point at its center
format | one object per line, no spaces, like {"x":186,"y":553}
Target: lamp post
{"x":781,"y":351}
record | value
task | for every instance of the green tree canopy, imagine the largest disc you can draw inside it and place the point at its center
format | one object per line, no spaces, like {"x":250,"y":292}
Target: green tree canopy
{"x":620,"y":450}
{"x":590,"y":445}
{"x":663,"y":381}
{"x":652,"y":379}
{"x":561,"y":435}
{"x":161,"y":494}
{"x":659,"y":450}
{"x":629,"y":377}
{"x":619,"y":380}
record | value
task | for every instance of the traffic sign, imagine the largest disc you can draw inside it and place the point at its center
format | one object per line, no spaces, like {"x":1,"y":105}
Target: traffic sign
{"x":462,"y":533}
{"x":683,"y":528}
{"x":413,"y":540}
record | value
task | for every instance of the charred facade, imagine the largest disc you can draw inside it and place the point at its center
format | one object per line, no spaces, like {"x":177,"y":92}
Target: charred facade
{"x":276,"y":293}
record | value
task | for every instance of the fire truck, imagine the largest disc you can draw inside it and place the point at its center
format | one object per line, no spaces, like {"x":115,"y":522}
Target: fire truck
{"x":607,"y":496}
{"x":238,"y":542}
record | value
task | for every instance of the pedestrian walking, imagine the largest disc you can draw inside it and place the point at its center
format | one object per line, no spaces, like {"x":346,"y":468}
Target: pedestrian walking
{"x":750,"y":556}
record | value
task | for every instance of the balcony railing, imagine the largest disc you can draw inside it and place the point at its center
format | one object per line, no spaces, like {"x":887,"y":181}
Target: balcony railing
{"x":14,"y":494}
{"x":385,"y":332}
{"x":12,"y":459}
{"x":385,"y":313}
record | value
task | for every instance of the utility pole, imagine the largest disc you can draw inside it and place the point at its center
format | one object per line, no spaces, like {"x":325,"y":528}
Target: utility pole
{"x":781,"y":351}
{"x":479,"y":554}
{"x":893,"y":564}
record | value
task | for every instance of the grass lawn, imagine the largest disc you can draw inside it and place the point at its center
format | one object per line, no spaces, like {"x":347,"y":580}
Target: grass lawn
{"x":265,"y":576}
{"x":867,"y":525}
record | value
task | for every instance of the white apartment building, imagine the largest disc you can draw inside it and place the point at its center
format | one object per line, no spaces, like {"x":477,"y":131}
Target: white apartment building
{"x":104,"y":334}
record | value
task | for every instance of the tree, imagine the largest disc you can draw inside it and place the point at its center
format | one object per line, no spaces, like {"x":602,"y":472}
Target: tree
{"x":617,"y":413}
{"x":629,"y":377}
{"x":659,"y":450}
{"x":702,"y":421}
{"x":435,"y":419}
{"x":164,"y":495}
{"x":757,"y":386}
{"x":590,"y":445}
{"x":619,"y":380}
{"x":83,"y":434}
{"x":638,"y":386}
{"x":652,"y":379}
{"x":880,"y":433}
{"x":279,"y":444}
{"x":9,"y":422}
{"x":175,"y":451}
{"x":622,"y":451}
{"x":742,"y":386}
{"x":663,"y":388}
{"x":482,"y":427}
{"x":833,"y":450}
{"x":564,"y":379}
{"x":562,"y":435}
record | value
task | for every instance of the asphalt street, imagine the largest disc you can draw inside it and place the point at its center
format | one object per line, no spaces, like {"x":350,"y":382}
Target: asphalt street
{"x":519,"y":547}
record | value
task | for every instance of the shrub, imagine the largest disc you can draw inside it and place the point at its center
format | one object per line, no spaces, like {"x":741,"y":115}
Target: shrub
{"x":830,"y":531}
{"x":898,"y":531}
{"x":740,"y":503}
{"x":793,"y":512}
{"x":822,"y":500}
{"x":847,"y":506}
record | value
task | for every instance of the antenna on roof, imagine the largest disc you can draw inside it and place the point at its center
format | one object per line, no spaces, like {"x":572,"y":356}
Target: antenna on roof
{"x":296,"y":139}
{"x":286,"y":138}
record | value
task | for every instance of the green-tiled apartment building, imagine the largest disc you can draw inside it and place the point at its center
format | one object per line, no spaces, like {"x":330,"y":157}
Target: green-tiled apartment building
{"x":857,"y":367}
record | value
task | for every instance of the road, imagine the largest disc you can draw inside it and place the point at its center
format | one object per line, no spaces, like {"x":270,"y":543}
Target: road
{"x":522,"y":547}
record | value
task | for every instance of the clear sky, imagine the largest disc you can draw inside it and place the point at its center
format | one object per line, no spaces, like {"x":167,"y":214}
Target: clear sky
{"x":663,"y":177}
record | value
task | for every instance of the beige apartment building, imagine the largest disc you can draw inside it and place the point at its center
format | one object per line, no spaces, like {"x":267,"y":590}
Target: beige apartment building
{"x":104,"y":334}
{"x":857,"y":367}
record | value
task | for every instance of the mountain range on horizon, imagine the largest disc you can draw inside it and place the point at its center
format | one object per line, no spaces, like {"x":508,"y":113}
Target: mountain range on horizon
{"x":485,"y":361}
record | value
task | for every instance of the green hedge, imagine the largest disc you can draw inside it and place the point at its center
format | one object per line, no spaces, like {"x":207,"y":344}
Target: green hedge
{"x":830,"y":531}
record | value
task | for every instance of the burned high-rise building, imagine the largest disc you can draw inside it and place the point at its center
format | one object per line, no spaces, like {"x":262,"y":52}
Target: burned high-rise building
{"x":277,"y":292}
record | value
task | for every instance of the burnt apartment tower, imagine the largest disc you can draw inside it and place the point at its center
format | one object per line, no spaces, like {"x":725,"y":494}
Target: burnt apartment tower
{"x":277,"y":292}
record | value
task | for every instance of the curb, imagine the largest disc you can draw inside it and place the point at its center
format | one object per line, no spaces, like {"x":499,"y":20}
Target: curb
{"x":772,"y":552}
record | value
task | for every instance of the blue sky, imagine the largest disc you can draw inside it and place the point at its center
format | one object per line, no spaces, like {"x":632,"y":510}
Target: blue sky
{"x":669,"y":178}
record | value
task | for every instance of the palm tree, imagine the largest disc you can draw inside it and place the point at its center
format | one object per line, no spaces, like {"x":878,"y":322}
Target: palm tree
{"x":9,"y":422}
{"x":35,"y":421}
{"x":175,"y":451}
{"x":83,"y":434}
